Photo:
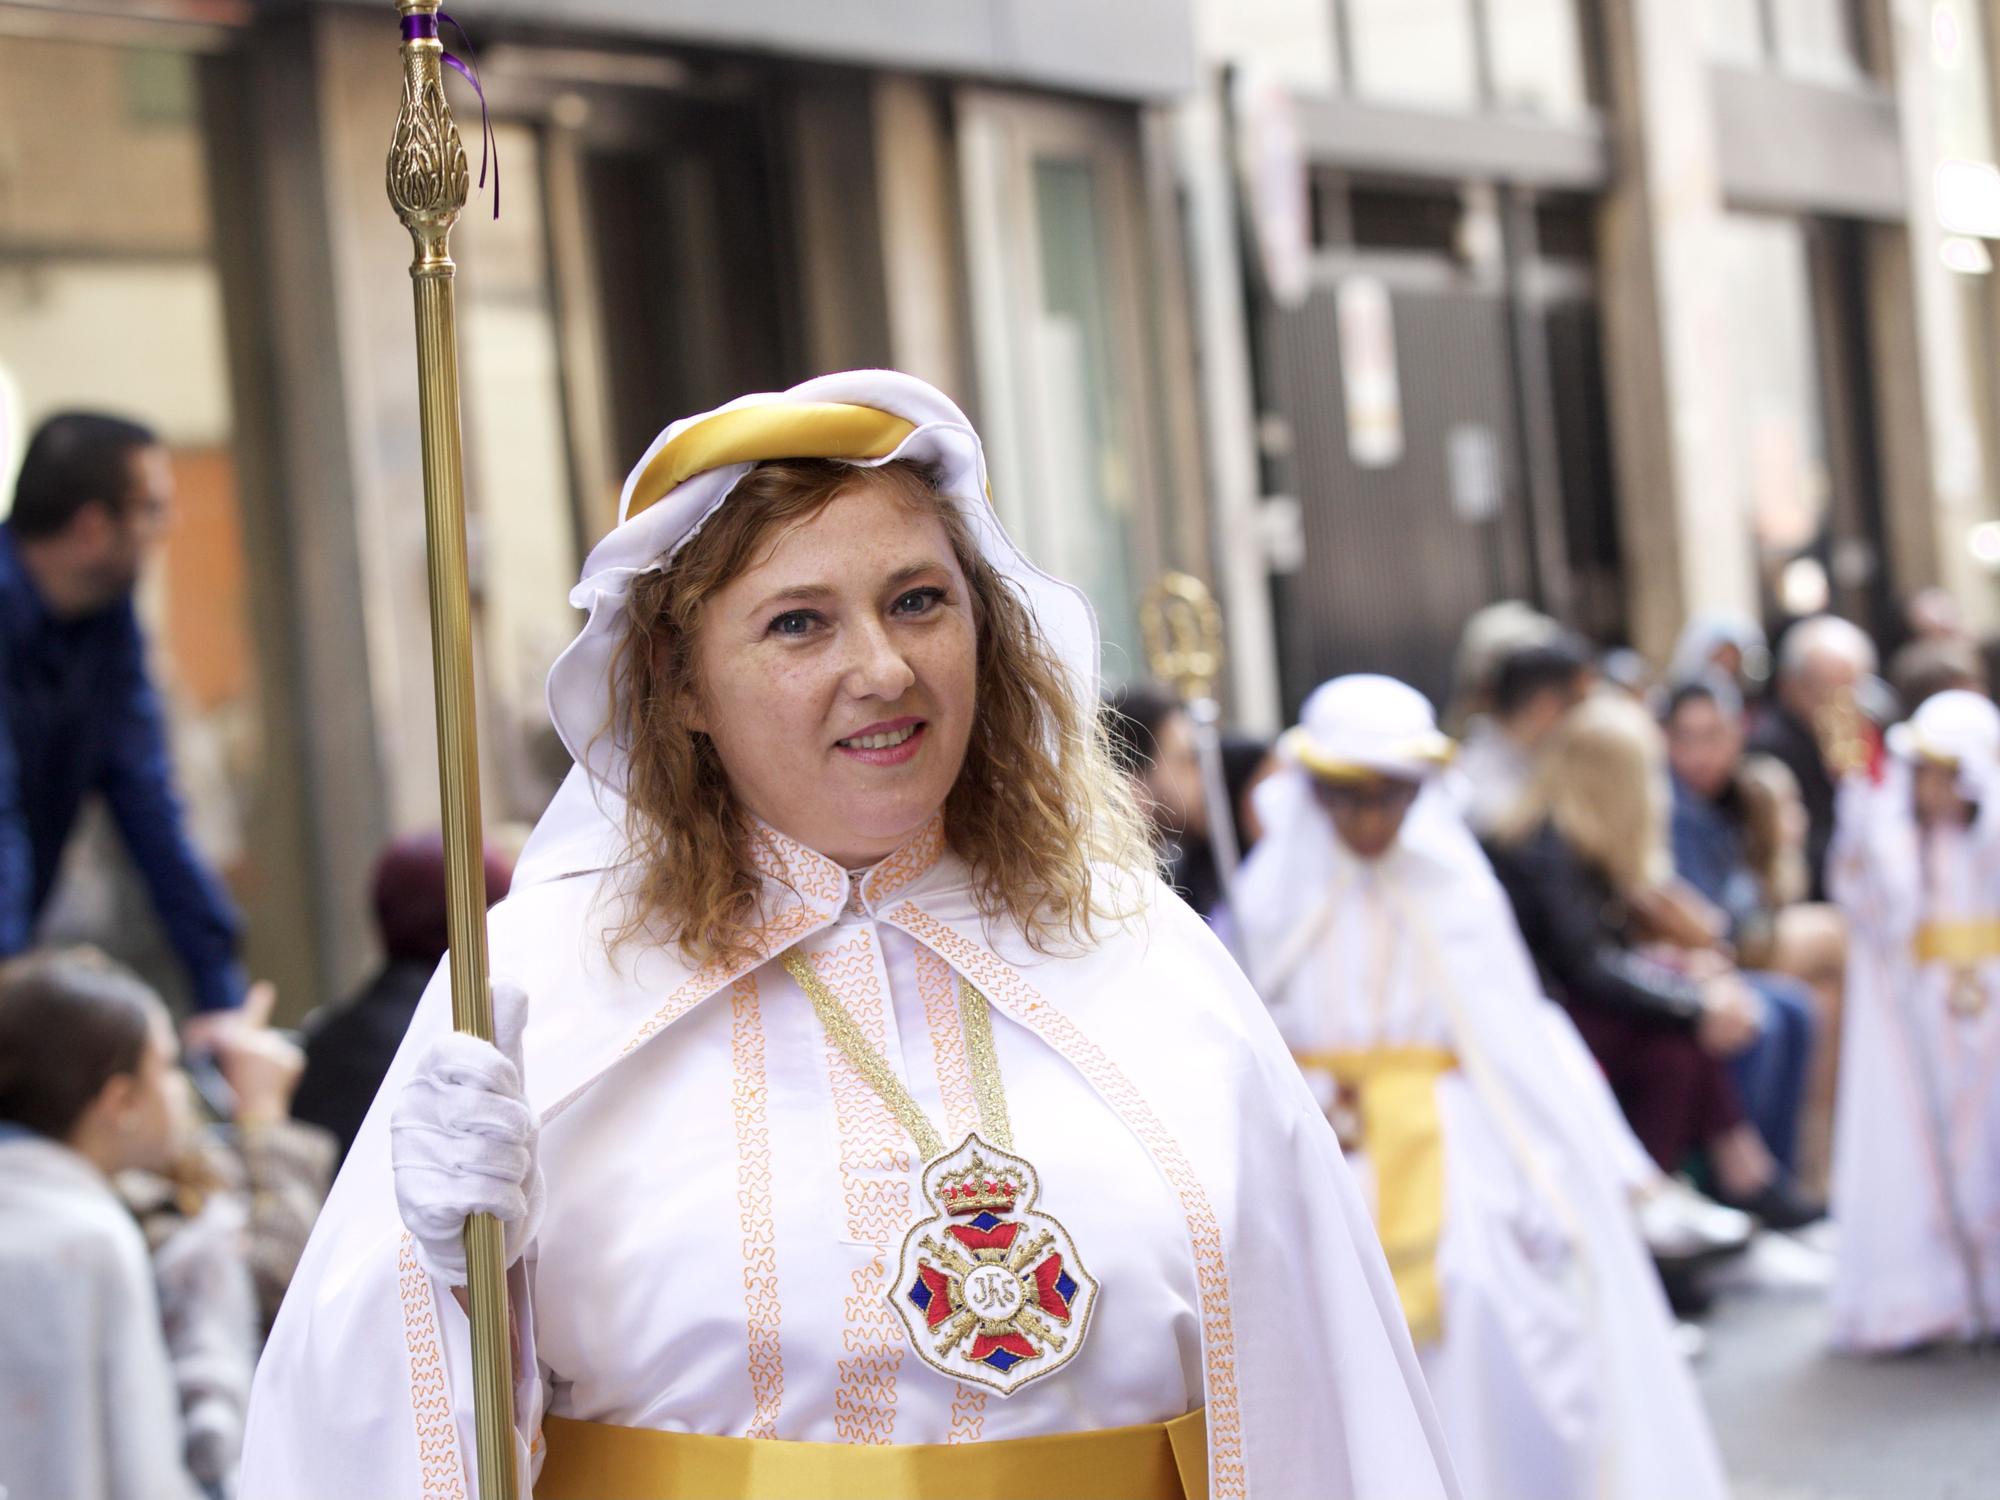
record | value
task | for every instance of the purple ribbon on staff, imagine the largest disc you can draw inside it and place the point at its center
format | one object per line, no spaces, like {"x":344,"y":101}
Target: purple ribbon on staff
{"x":424,"y":28}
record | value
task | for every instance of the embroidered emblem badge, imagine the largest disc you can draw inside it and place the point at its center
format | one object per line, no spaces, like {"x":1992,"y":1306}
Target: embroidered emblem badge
{"x":990,"y":1291}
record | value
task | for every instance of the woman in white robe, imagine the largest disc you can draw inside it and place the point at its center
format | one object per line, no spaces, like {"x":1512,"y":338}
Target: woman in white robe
{"x":1916,"y":1158}
{"x":1392,"y":964}
{"x":716,"y":1272}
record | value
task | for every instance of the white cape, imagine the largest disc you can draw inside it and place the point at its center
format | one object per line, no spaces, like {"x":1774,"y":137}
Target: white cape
{"x":1310,"y":1382}
{"x":1556,"y":1377}
{"x":1900,"y":1270}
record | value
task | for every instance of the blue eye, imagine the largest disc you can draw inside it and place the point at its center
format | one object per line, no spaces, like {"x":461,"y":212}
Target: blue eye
{"x":919,"y":601}
{"x":793,"y":622}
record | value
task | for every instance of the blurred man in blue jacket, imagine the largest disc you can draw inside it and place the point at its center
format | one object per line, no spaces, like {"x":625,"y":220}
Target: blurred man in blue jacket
{"x":78,"y":713}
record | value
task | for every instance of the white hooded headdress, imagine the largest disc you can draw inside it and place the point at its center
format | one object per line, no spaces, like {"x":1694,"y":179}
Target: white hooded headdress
{"x":862,"y":417}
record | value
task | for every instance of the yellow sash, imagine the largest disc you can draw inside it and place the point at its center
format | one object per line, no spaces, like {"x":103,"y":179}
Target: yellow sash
{"x":1962,"y":944}
{"x":1396,"y":1089}
{"x":595,"y":1461}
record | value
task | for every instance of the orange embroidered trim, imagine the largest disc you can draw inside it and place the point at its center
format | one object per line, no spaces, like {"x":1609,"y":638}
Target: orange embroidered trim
{"x":1218,"y":1336}
{"x":907,"y":865}
{"x":875,"y":1172}
{"x":763,"y":1312}
{"x":792,"y":865}
{"x":937,"y":984}
{"x":439,"y":1466}
{"x":705,"y":981}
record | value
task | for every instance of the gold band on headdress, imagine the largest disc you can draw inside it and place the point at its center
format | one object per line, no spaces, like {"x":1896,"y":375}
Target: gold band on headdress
{"x":768,"y":430}
{"x":1432,"y":750}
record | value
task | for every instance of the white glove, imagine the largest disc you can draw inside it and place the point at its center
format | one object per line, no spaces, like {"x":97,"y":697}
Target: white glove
{"x":462,"y":1141}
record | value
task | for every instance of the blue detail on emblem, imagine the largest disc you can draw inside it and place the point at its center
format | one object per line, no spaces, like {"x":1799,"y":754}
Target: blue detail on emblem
{"x":986,"y":1221}
{"x":921,"y":1295}
{"x":1001,"y":1360}
{"x":1065,"y":1287}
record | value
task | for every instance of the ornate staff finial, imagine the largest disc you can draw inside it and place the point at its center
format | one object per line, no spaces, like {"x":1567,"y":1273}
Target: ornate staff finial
{"x":429,"y":176}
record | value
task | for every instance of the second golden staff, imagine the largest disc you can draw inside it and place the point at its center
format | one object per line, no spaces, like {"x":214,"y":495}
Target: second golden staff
{"x":1183,"y":630}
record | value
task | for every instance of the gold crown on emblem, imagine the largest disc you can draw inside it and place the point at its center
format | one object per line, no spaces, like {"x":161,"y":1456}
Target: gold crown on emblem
{"x":976,"y":1187}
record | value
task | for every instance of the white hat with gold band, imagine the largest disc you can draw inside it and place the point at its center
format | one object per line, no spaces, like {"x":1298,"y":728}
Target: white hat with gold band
{"x":1362,"y":726}
{"x":862,"y":417}
{"x":1954,"y":728}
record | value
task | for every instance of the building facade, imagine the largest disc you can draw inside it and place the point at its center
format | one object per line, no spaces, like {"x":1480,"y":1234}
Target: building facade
{"x":1632,"y":308}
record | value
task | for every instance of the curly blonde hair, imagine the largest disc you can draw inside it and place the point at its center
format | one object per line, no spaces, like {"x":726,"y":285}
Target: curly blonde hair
{"x":1039,"y":810}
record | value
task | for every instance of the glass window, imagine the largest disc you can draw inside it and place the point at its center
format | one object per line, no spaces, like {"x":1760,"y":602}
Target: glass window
{"x":519,"y":503}
{"x":1089,"y":526}
{"x":1816,"y":39}
{"x":1776,"y":439}
{"x":1963,"y":89}
{"x":1414,"y":52}
{"x":1537,"y":56}
{"x":1736,"y":32}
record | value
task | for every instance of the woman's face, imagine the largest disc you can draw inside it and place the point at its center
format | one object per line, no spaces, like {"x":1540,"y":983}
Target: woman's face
{"x":838,"y":675}
{"x":155,"y":1111}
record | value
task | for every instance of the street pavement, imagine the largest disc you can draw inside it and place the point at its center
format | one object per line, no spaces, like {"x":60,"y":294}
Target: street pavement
{"x":1799,"y":1422}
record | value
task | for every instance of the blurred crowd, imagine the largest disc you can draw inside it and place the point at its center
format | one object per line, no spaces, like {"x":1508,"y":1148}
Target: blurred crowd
{"x":1669,"y":842}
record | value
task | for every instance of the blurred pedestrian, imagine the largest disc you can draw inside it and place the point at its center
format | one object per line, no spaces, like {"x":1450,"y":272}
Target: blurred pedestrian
{"x":1394,"y":969}
{"x":1533,"y":688}
{"x":1928,"y":666}
{"x":1932,"y":614}
{"x":1153,"y":738}
{"x":348,"y":1051}
{"x":1916,"y":1172}
{"x":90,"y":1086}
{"x":1815,"y":705}
{"x":1580,"y":859}
{"x":78,"y":711}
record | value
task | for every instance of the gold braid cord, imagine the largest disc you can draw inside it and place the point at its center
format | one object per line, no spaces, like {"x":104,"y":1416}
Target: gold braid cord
{"x":845,"y":1033}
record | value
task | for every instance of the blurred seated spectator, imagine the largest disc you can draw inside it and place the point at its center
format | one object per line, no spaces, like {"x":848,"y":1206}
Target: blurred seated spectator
{"x":1808,"y":942}
{"x":1722,"y":641}
{"x":1246,"y":762}
{"x":1533,"y":688}
{"x":227,"y":1221}
{"x":1626,"y":670}
{"x":348,"y":1052}
{"x":1822,"y":662}
{"x":1929,"y":666}
{"x":1704,"y":728}
{"x":1577,"y":859}
{"x":90,"y":1086}
{"x":1490,"y":636}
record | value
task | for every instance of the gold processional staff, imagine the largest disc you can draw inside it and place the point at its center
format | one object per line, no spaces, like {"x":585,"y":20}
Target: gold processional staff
{"x":1183,"y":630}
{"x":428,"y":184}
